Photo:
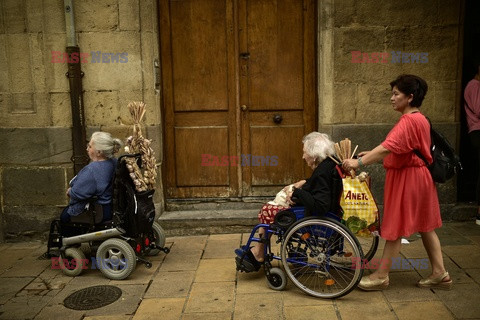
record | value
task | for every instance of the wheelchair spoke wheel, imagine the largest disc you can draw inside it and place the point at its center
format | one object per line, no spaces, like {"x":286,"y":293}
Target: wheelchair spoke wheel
{"x":116,"y":259}
{"x":318,"y":256}
{"x":369,"y":246}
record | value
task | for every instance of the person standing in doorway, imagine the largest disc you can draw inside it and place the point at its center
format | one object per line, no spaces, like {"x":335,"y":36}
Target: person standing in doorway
{"x":472,"y":110}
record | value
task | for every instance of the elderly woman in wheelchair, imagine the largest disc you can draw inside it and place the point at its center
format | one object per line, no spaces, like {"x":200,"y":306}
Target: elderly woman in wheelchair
{"x":108,"y":215}
{"x":95,"y":179}
{"x":316,"y":249}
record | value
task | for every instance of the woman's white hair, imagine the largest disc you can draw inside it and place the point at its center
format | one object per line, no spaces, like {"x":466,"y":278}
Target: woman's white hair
{"x":318,"y":146}
{"x":104,"y":143}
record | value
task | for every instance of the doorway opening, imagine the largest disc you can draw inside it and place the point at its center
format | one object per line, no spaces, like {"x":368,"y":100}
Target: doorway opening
{"x":467,"y":179}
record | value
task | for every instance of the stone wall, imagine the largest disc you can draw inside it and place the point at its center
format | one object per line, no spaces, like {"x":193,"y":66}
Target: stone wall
{"x":354,"y":96}
{"x":35,"y":114}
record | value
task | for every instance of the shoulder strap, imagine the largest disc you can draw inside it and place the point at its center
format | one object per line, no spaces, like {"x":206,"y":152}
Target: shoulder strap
{"x":420,"y":155}
{"x":417,"y":152}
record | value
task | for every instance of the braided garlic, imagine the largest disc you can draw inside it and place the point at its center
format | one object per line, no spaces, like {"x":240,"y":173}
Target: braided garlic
{"x":138,"y":144}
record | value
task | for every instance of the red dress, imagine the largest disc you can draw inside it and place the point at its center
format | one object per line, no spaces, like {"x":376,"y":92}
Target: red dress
{"x":410,"y":196}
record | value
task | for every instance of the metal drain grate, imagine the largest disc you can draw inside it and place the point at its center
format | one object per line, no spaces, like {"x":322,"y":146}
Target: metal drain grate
{"x":92,"y":297}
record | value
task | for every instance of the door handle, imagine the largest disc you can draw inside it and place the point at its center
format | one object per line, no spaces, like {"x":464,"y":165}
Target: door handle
{"x":277,"y":118}
{"x":244,"y":107}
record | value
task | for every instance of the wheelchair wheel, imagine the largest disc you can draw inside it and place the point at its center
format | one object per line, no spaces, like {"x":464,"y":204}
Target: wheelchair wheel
{"x":86,"y":249}
{"x":369,"y":246}
{"x":159,"y":235}
{"x":75,"y":262}
{"x":116,"y":259}
{"x":318,"y":256}
{"x":276,"y":279}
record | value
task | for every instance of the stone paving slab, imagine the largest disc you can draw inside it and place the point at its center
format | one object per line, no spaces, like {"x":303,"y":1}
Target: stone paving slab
{"x":164,"y":308}
{"x":214,"y":270}
{"x":10,"y":286}
{"x":259,"y":306}
{"x":421,"y":310}
{"x":462,"y":300}
{"x":198,"y":280}
{"x":211,"y":297}
{"x":364,"y":305}
{"x":403,"y":288}
{"x":207,"y":316}
{"x":173,"y":284}
{"x":326,"y":312}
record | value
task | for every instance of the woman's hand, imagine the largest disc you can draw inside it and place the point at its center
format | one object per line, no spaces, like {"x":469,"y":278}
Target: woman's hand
{"x":289,"y":197}
{"x":299,"y":184}
{"x":349,"y":164}
{"x":68,"y":192}
{"x":361,"y":154}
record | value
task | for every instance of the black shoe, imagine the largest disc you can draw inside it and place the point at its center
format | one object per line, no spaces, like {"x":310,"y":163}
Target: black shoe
{"x":246,"y":261}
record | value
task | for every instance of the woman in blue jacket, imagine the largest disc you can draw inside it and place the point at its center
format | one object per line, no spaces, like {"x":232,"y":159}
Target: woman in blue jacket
{"x":95,"y":179}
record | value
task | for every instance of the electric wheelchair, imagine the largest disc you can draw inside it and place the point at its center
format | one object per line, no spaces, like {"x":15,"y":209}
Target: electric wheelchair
{"x":118,"y":244}
{"x":319,"y":254}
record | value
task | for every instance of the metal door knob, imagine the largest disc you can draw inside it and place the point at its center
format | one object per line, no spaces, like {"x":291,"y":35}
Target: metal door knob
{"x":277,"y":118}
{"x":244,"y":107}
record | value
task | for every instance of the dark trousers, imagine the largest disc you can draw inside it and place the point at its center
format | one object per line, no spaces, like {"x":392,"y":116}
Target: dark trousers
{"x":107,"y":213}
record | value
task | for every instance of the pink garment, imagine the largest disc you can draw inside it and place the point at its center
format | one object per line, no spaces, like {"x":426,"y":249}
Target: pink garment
{"x":410,"y":196}
{"x":472,"y":104}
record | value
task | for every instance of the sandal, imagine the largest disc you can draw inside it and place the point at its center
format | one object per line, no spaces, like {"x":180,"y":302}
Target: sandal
{"x":436,"y":283}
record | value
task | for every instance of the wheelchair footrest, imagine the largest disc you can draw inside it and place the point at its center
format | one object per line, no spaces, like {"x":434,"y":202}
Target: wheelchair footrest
{"x":245,"y":260}
{"x":246,"y":266}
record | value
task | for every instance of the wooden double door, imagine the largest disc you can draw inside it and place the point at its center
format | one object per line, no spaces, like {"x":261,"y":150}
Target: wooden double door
{"x":239,"y":93}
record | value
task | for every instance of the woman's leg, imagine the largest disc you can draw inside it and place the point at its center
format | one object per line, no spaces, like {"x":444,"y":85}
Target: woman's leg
{"x":267,"y":216}
{"x":258,"y":249}
{"x":434,"y":251}
{"x":391,"y":250}
{"x":64,"y":216}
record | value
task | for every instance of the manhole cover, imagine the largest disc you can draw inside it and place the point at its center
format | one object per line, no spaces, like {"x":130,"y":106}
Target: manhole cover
{"x":92,"y":297}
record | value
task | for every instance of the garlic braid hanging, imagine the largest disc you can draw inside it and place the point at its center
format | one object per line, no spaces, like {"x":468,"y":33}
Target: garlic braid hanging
{"x":138,"y":144}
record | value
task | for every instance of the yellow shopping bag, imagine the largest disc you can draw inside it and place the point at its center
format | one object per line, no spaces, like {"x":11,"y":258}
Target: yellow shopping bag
{"x":360,"y":210}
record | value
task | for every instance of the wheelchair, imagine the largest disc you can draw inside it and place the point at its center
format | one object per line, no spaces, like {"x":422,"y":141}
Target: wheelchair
{"x":117,"y":245}
{"x":319,"y":254}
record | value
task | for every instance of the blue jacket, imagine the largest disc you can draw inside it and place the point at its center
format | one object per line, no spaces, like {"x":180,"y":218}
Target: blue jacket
{"x":95,"y":179}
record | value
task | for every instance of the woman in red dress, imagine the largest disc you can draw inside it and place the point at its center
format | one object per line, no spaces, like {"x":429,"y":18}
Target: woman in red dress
{"x":410,"y":196}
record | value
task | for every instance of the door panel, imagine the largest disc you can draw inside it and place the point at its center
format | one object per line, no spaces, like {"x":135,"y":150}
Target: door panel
{"x":229,"y":69}
{"x":279,"y":107}
{"x":198,"y":67}
{"x":191,"y":150}
{"x":199,"y":54}
{"x":275,"y":44}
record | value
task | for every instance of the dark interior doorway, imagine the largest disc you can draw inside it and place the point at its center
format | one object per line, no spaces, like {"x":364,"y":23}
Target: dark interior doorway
{"x":471,"y":52}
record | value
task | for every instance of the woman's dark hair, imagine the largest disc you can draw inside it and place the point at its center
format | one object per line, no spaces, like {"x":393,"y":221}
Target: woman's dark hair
{"x":409,"y":84}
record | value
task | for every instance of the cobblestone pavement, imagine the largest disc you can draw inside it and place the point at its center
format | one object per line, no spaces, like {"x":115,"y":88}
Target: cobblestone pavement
{"x":198,"y":280}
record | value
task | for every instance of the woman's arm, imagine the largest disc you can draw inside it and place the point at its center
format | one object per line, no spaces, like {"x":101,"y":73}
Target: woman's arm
{"x":84,"y":186}
{"x":373,"y":156}
{"x":316,"y":197}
